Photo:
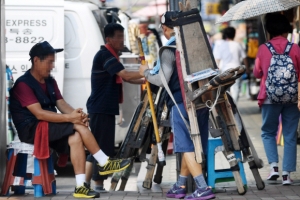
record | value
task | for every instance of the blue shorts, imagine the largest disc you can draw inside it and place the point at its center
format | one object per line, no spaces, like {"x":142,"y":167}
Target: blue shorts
{"x":182,"y":139}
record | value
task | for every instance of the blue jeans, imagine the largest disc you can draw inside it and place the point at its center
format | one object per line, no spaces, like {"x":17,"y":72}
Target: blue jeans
{"x":270,"y":121}
{"x":182,"y":138}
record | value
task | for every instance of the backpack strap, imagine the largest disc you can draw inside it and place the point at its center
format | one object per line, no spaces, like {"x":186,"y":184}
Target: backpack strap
{"x":288,"y":48}
{"x":271,"y":48}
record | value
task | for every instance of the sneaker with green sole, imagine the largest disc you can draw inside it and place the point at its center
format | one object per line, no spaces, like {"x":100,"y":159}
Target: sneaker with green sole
{"x":85,"y":191}
{"x":113,"y":165}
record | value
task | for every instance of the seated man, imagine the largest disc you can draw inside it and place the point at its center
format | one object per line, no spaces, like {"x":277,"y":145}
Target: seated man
{"x":33,"y":102}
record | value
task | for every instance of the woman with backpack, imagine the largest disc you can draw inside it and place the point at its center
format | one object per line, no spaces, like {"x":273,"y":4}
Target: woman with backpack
{"x":278,"y":64}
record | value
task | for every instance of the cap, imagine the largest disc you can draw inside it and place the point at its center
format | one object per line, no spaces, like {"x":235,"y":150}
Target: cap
{"x":41,"y":49}
{"x":167,"y":18}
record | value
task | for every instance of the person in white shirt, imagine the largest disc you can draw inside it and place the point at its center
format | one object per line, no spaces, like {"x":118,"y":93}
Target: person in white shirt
{"x":230,"y":54}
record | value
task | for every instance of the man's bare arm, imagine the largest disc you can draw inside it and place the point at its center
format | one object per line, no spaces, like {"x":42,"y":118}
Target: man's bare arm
{"x":137,"y":81}
{"x":74,"y":117}
{"x":64,"y":107}
{"x":131,"y":75}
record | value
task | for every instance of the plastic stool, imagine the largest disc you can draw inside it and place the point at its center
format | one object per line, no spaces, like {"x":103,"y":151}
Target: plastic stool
{"x":220,"y":175}
{"x":15,"y":175}
{"x":43,"y":179}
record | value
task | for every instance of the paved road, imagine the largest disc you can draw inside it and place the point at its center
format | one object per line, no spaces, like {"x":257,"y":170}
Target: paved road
{"x":134,"y":190}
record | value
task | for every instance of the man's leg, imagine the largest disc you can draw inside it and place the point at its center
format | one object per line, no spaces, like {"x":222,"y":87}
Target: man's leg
{"x":77,"y":153}
{"x":103,"y":129}
{"x":89,"y":168}
{"x":89,"y":171}
{"x":106,"y":165}
{"x":88,"y":138}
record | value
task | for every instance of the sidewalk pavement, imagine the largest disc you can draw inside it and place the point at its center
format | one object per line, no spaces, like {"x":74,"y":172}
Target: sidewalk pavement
{"x":134,"y":190}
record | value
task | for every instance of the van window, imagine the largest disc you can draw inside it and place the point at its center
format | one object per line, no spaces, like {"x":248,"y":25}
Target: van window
{"x":101,"y":20}
{"x":74,"y":35}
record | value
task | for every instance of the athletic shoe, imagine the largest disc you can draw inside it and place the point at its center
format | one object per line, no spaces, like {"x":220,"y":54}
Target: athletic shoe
{"x":286,"y":180}
{"x":201,"y":194}
{"x":113,"y":165}
{"x":100,"y":189}
{"x":273,"y":176}
{"x":85,"y":191}
{"x":176,"y":192}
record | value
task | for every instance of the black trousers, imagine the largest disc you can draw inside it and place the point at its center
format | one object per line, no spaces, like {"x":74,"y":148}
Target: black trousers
{"x":103,"y":129}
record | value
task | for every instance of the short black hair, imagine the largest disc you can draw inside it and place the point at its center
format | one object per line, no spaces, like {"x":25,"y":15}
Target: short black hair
{"x":228,"y":33}
{"x":277,"y":24}
{"x":109,"y":29}
{"x":41,"y":57}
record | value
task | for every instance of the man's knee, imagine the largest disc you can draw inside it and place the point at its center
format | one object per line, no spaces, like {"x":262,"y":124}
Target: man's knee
{"x":75,"y":139}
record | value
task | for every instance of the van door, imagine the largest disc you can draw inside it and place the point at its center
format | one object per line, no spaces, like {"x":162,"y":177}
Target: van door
{"x":29,"y":22}
{"x":82,"y":41}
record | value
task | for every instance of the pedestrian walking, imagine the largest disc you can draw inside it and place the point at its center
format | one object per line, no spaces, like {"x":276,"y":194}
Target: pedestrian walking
{"x":278,"y":64}
{"x":230,"y":54}
{"x":182,"y":139}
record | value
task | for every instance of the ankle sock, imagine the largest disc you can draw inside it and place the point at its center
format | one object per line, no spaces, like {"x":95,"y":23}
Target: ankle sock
{"x":80,"y":179}
{"x":98,"y":187}
{"x":273,"y":164}
{"x":285,"y":173}
{"x":101,"y":157}
{"x":200,"y":181}
{"x":181,"y":181}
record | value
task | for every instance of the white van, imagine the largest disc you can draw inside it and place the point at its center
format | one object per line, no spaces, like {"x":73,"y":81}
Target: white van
{"x":76,"y":26}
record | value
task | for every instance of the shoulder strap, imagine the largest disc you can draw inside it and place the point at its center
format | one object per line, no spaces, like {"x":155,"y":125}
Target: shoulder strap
{"x":288,"y":48}
{"x":164,"y":81}
{"x":270,"y":47}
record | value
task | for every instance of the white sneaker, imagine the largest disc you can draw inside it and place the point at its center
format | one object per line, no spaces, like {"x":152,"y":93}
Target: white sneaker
{"x":273,"y":176}
{"x":286,"y":180}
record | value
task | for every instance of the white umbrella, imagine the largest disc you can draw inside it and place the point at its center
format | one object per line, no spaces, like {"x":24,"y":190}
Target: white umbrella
{"x":252,"y":8}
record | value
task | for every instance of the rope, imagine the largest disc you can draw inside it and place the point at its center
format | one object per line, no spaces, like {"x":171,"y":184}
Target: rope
{"x":217,"y":97}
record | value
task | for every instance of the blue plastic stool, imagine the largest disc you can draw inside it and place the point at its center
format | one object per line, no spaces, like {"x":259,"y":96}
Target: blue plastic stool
{"x":220,"y":175}
{"x":16,"y":167}
{"x":43,"y":179}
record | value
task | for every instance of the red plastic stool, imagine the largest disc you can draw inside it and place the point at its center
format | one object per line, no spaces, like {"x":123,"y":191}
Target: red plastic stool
{"x":43,"y":178}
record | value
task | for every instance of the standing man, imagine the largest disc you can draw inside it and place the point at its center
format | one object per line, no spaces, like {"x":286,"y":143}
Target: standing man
{"x":182,"y":139}
{"x":33,"y":102}
{"x":103,"y":103}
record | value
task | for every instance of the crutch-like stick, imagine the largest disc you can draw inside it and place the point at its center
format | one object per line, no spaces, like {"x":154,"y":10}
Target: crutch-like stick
{"x":161,"y":156}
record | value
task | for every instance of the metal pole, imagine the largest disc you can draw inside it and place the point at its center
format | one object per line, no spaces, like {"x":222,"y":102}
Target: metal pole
{"x":157,"y":15}
{"x":3,"y":122}
{"x":263,"y":25}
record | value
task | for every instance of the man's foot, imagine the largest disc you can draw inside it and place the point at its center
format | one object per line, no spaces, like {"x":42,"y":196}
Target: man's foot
{"x":176,"y":192}
{"x":113,"y":165}
{"x":201,"y":194}
{"x":286,"y":180}
{"x":273,"y":176}
{"x":100,"y":189}
{"x":85,"y":191}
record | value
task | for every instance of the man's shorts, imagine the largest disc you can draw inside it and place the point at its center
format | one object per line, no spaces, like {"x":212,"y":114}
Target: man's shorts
{"x":182,"y":139}
{"x":58,"y":135}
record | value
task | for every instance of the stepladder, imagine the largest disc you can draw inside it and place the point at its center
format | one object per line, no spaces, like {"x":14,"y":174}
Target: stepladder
{"x":140,"y":140}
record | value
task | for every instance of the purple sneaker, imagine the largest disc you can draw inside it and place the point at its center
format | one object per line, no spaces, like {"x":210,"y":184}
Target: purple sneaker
{"x":201,"y":194}
{"x":176,"y":192}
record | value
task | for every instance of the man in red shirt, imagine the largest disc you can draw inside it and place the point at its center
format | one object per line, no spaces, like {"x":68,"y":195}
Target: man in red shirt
{"x":34,"y":100}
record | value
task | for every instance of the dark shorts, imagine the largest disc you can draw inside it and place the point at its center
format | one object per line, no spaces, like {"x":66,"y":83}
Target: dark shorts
{"x":58,"y":135}
{"x":103,"y":129}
